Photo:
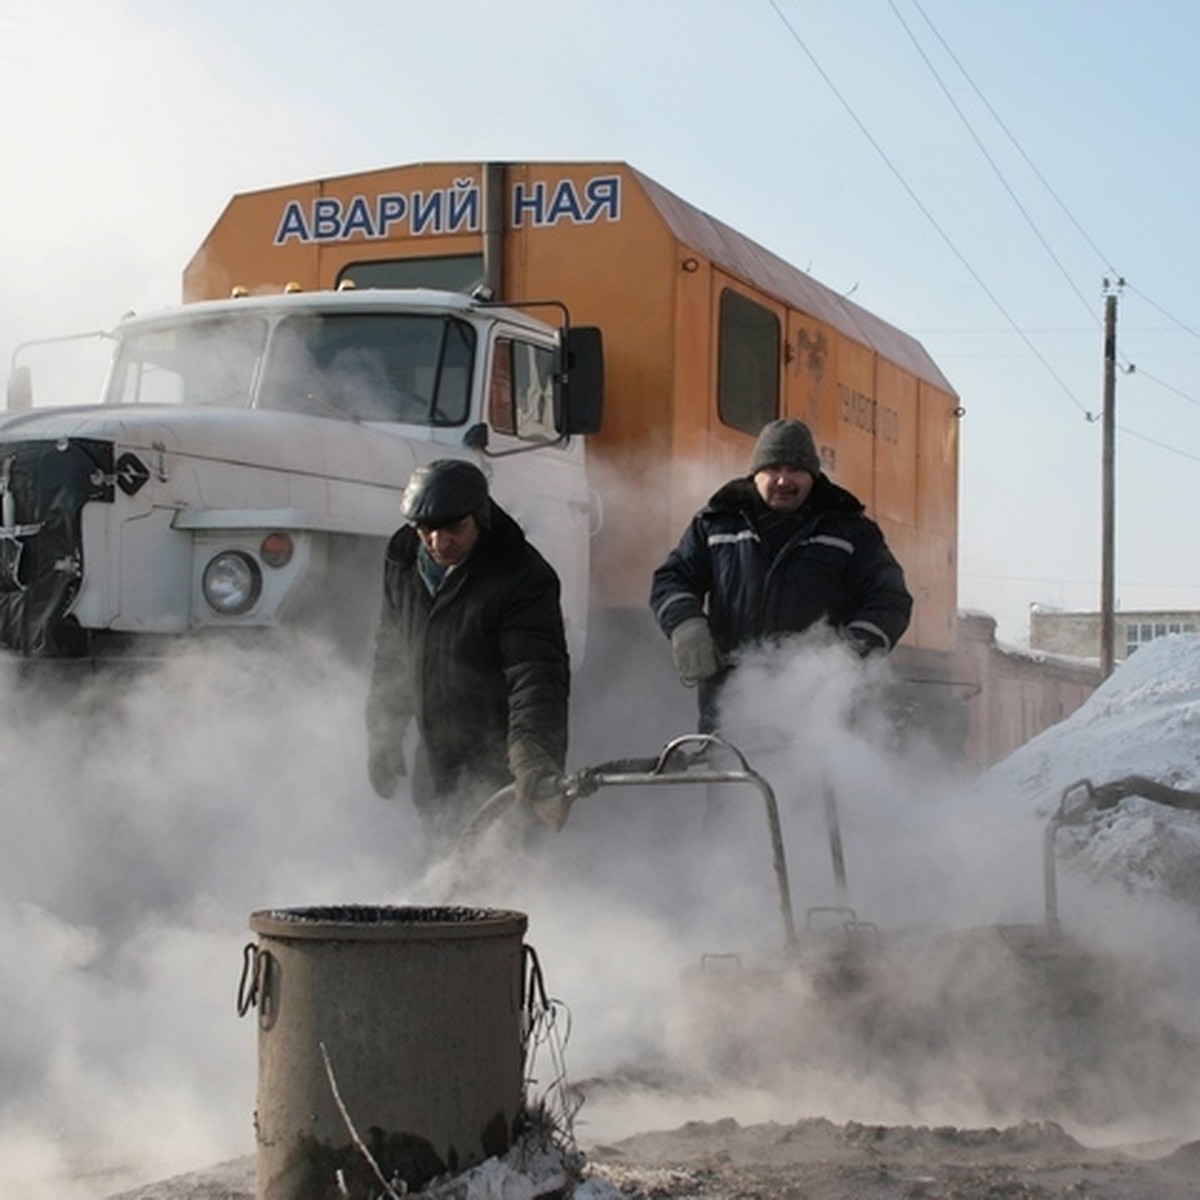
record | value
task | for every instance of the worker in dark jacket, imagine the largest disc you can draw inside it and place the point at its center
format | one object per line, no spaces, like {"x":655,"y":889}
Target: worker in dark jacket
{"x":773,"y":554}
{"x":471,"y":647}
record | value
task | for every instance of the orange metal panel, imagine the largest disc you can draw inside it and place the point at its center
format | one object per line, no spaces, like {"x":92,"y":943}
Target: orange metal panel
{"x":937,"y":479}
{"x":810,"y":377}
{"x":622,"y":275}
{"x":854,"y":444}
{"x":895,"y":428}
{"x":693,"y":477}
{"x":238,"y":251}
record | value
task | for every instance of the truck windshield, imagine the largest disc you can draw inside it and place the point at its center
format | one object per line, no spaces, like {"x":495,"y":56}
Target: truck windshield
{"x":210,"y":362}
{"x":371,"y":367}
{"x":404,"y":367}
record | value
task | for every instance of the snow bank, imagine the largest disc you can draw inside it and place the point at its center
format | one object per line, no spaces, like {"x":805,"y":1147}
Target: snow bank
{"x":1144,"y":720}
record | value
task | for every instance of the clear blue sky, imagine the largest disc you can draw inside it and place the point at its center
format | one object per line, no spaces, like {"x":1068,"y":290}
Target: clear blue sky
{"x":822,"y":128}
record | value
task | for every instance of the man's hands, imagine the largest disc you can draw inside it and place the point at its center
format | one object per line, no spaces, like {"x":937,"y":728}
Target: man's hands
{"x":538,"y":778}
{"x":694,"y":652}
{"x":865,"y":640}
{"x":385,"y":766}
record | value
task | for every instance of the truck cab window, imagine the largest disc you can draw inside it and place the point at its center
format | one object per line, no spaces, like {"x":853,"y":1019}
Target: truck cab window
{"x":747,"y":363}
{"x":371,"y":367}
{"x":189,"y":362}
{"x":521,"y":391}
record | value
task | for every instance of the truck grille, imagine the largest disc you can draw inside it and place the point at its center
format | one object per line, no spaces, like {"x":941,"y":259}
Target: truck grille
{"x":43,"y":488}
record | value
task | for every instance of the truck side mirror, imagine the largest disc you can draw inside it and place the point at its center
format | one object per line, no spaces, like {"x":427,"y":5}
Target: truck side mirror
{"x":582,"y":401}
{"x":20,"y":390}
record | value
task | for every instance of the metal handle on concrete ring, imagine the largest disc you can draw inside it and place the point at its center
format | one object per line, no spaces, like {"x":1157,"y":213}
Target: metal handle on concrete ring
{"x":248,"y":985}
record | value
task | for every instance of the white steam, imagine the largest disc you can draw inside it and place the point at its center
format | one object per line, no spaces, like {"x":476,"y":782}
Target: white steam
{"x":148,"y":814}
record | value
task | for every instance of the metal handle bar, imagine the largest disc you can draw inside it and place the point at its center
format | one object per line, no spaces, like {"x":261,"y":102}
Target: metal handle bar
{"x":1082,"y":797}
{"x":672,"y":766}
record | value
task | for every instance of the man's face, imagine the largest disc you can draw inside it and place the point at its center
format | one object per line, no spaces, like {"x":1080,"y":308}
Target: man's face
{"x":783,"y":488}
{"x":449,"y":545}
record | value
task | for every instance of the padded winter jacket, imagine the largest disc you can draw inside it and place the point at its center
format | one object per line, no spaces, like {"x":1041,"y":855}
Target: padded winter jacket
{"x":834,"y":566}
{"x":481,"y":666}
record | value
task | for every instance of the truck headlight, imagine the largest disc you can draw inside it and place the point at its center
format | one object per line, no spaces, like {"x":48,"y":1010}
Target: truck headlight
{"x":232,"y":583}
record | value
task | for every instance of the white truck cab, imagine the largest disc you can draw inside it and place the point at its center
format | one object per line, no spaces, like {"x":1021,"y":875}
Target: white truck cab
{"x":244,"y":465}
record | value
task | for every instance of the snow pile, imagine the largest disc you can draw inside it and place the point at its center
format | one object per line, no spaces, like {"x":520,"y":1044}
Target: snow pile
{"x":1144,"y":720}
{"x":527,"y":1171}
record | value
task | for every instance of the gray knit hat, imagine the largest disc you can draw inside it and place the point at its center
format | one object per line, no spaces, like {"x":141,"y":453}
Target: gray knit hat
{"x":786,"y":442}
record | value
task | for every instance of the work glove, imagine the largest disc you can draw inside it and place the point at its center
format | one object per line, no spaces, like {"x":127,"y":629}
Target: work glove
{"x":864,"y":641}
{"x":538,"y":783}
{"x":385,"y":766}
{"x":695,"y":653}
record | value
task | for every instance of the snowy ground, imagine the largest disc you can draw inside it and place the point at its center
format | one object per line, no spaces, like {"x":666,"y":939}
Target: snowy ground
{"x":146,"y":821}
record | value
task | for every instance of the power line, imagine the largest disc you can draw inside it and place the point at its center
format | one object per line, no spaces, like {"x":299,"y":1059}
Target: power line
{"x":982,"y":148}
{"x":1090,"y":416}
{"x":1141,"y":437}
{"x":1083,"y":233}
{"x":1158,"y":308}
{"x":1142,"y":374}
{"x":1128,"y":367}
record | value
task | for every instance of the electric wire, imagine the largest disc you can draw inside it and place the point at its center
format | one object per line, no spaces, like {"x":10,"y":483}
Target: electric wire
{"x":1159,"y":309}
{"x":1129,"y":367}
{"x":1141,"y":437}
{"x":1083,"y":233}
{"x":962,"y":116}
{"x":924,"y":210}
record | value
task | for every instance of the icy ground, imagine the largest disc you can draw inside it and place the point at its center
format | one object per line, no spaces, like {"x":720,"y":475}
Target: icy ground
{"x":144,"y":823}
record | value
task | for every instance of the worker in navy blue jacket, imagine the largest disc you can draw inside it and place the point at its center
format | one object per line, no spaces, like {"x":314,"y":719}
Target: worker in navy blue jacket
{"x":772,"y":554}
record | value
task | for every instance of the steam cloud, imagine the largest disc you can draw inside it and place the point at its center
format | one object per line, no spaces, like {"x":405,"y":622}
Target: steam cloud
{"x":148,"y":814}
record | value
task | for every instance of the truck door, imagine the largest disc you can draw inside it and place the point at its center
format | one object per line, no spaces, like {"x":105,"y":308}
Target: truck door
{"x":538,"y":477}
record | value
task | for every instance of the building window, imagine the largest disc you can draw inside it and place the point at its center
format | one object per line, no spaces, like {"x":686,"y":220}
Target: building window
{"x":747,"y":363}
{"x":1139,"y":633}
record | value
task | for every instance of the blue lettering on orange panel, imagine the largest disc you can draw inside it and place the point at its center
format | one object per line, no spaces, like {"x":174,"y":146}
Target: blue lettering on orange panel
{"x":391,"y":207}
{"x":292,"y":224}
{"x":326,"y":219}
{"x":448,"y":210}
{"x":359,"y":219}
{"x":534,"y":204}
{"x":600,"y":200}
{"x":464,"y":206}
{"x":604,"y":198}
{"x":426,"y":211}
{"x":565,"y":203}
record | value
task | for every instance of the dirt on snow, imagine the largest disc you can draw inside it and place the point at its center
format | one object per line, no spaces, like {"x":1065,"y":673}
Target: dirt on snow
{"x":818,"y":1160}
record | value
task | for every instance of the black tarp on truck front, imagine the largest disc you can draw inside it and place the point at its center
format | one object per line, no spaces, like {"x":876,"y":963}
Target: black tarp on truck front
{"x":43,"y":488}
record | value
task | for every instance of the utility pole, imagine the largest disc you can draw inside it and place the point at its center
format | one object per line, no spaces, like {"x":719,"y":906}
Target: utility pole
{"x":1108,"y":474}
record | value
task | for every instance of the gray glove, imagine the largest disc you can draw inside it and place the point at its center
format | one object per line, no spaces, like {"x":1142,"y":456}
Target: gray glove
{"x":538,"y":781}
{"x":695,"y":653}
{"x":385,"y":766}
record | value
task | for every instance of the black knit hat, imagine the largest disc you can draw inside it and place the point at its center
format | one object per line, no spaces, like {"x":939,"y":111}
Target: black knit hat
{"x":786,"y":442}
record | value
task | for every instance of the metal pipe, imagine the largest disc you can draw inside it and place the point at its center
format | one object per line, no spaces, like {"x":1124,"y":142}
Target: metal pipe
{"x":665,"y":769}
{"x":745,"y":774}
